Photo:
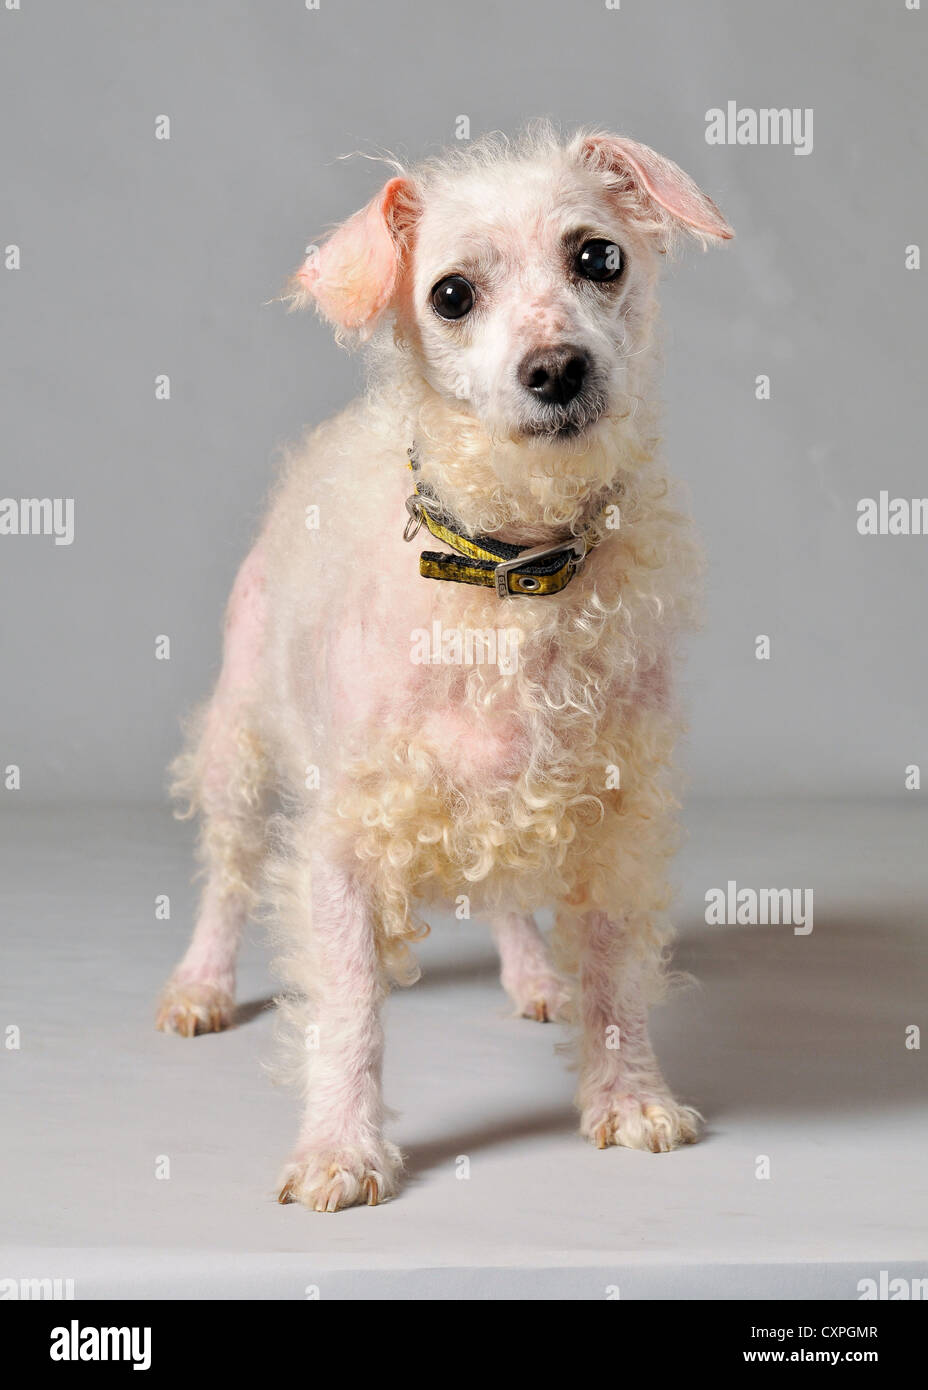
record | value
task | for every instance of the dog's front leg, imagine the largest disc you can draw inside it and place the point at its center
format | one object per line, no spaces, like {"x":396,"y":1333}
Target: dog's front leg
{"x":341,"y":1157}
{"x":623,"y":1097}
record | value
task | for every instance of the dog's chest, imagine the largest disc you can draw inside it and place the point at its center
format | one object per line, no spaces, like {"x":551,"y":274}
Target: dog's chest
{"x":458,"y":669}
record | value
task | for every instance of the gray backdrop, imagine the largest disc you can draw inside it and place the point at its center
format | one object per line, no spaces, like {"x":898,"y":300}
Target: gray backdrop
{"x":142,"y":257}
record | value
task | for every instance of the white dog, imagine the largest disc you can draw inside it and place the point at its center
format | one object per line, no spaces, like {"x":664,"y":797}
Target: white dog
{"x":508,"y":295}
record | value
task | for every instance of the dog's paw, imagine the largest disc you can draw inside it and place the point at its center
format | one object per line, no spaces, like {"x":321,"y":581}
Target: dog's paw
{"x":333,"y":1179}
{"x":654,"y":1122}
{"x":187,"y":1007}
{"x":544,"y":998}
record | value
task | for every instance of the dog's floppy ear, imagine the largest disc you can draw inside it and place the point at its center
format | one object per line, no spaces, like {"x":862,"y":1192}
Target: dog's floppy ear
{"x":656,"y":181}
{"x":352,"y":277}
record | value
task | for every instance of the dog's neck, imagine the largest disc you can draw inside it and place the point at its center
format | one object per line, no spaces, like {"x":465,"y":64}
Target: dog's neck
{"x":527,"y":491}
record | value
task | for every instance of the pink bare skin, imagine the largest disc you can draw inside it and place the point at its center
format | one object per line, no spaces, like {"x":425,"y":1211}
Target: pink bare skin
{"x":408,"y":782}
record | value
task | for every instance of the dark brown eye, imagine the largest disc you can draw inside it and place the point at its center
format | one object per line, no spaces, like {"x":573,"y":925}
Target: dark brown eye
{"x":453,"y":297}
{"x":599,"y":260}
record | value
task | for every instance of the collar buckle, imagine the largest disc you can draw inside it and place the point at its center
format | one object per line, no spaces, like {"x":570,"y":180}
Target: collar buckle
{"x":527,"y":583}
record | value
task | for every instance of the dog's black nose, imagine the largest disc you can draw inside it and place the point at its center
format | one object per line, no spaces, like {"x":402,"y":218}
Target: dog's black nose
{"x":554,"y":375}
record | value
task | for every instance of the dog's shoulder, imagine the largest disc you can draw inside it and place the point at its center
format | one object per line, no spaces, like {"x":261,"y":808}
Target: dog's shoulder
{"x":337,"y":489}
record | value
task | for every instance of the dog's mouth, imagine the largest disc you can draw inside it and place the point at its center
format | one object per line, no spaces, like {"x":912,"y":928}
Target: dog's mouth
{"x":565,"y":421}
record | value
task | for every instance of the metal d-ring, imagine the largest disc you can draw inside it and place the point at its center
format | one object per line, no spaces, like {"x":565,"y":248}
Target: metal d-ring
{"x":414,"y":508}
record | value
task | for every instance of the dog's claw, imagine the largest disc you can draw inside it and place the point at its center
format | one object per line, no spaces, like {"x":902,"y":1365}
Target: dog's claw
{"x":327,"y":1182}
{"x":546,"y":1002}
{"x":188,"y":1008}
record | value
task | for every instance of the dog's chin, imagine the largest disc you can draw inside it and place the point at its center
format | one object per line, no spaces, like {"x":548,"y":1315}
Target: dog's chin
{"x":561,"y":426}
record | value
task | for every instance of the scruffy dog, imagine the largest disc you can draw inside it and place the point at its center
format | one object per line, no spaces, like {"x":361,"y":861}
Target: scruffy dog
{"x":486,"y":726}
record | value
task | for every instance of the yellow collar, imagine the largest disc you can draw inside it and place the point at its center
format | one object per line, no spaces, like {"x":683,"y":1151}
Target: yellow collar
{"x":512,"y":570}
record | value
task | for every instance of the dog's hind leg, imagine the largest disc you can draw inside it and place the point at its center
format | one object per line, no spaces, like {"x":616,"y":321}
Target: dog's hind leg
{"x":223,"y":776}
{"x":527,"y":975}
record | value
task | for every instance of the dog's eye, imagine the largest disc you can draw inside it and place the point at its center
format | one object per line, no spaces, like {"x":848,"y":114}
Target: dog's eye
{"x":453,"y":297}
{"x":599,"y":260}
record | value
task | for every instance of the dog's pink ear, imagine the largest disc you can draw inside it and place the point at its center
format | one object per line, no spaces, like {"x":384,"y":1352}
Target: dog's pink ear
{"x":636,"y":168}
{"x":352,"y":277}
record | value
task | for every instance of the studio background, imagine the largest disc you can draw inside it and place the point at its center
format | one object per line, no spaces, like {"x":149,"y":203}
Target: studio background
{"x":142,"y":257}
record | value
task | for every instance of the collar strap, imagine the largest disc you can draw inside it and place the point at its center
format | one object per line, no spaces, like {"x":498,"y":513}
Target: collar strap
{"x":511,"y":570}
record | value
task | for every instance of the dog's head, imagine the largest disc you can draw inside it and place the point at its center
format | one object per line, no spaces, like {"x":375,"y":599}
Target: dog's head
{"x":521,"y":277}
